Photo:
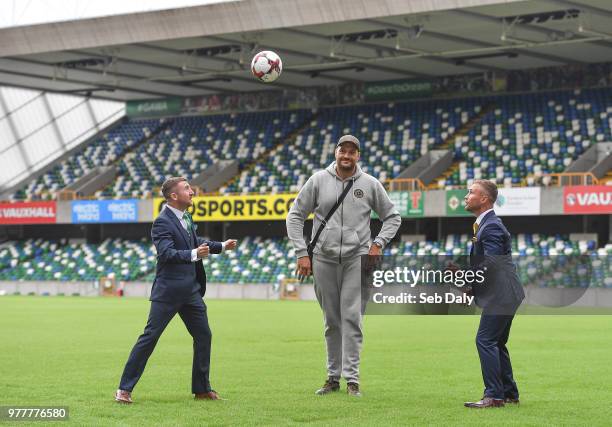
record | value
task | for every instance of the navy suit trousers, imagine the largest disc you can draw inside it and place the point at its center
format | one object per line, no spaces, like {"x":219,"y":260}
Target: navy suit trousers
{"x":491,"y":340}
{"x":194,"y":316}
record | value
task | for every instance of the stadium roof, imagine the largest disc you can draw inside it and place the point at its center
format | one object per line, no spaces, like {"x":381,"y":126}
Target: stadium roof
{"x":207,"y":49}
{"x":30,"y":12}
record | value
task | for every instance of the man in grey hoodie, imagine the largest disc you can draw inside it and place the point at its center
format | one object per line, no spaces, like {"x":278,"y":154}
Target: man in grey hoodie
{"x":336,"y":262}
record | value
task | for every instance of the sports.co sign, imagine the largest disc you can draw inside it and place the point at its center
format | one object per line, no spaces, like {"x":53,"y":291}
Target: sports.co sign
{"x":28,"y":213}
{"x":587,"y":199}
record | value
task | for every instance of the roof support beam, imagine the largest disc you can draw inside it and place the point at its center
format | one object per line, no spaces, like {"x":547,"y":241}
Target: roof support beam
{"x":529,"y":27}
{"x":92,"y":115}
{"x":53,"y":120}
{"x":477,"y":43}
{"x":405,"y":73}
{"x":230,"y":73}
{"x":394,"y":53}
{"x":277,"y":49}
{"x":50,"y":90}
{"x":126,"y":78}
{"x":15,"y":132}
{"x":87,"y":84}
{"x":145,"y":64}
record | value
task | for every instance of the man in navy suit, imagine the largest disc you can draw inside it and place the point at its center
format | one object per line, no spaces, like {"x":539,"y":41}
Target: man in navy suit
{"x":499,"y":295}
{"x":179,"y":285}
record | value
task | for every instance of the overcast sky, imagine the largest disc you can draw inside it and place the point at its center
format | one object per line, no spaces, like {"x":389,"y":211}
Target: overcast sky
{"x":27,"y":12}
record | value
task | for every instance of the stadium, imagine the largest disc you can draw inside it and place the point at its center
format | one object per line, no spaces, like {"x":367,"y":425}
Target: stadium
{"x":98,"y":111}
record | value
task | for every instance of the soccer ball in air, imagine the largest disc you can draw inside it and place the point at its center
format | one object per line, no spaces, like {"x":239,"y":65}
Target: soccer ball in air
{"x":266,"y":66}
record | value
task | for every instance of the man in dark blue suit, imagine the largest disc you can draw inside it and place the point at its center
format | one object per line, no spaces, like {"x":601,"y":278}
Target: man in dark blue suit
{"x":179,"y":285}
{"x":499,"y":295}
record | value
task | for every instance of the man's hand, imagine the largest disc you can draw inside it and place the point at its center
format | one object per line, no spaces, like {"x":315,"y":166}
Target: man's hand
{"x":452,"y":266}
{"x":203,"y":251}
{"x":230,"y":244}
{"x":375,"y":250}
{"x":374,"y":256}
{"x":304,"y":268}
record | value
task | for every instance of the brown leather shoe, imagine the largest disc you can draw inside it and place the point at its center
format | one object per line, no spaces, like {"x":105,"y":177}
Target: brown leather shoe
{"x":486,"y":402}
{"x":353,"y":389}
{"x":209,"y":395}
{"x":122,"y":396}
{"x":510,"y":400}
{"x":330,"y":385}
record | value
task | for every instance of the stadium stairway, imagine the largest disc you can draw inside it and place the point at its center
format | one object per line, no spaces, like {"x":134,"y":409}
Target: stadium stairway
{"x":193,"y":143}
{"x":449,"y":142}
{"x":532,"y":134}
{"x":506,"y":137}
{"x":393,"y":135}
{"x":101,"y":183}
{"x":105,"y":150}
{"x":288,"y":139}
{"x":165,"y":125}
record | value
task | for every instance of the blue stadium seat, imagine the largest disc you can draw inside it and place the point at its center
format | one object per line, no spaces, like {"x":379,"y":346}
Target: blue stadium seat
{"x":269,"y":260}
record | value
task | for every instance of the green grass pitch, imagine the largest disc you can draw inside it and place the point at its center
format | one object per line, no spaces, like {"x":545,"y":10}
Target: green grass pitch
{"x":268,"y":358}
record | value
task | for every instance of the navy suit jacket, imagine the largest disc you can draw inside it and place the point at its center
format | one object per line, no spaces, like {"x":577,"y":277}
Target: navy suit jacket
{"x":176,"y":276}
{"x":492,"y":251}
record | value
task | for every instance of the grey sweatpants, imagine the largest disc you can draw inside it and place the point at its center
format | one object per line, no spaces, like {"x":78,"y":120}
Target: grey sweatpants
{"x":338,"y":290}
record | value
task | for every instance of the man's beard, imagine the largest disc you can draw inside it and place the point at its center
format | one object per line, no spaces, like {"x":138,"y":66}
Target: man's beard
{"x":346,"y":168}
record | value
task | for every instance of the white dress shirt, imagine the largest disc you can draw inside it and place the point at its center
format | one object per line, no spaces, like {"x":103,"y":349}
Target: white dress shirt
{"x":481,"y":216}
{"x":179,"y":214}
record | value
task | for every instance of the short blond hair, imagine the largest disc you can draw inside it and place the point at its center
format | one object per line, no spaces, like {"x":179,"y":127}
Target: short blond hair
{"x":169,"y":184}
{"x":489,"y":187}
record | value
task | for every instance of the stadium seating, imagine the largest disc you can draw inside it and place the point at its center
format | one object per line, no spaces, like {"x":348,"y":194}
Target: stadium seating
{"x":14,"y":253}
{"x":530,"y":135}
{"x":190,"y":144}
{"x":269,"y":260}
{"x":125,"y":260}
{"x":255,"y":260}
{"x":392,"y":136}
{"x":522,"y":244}
{"x":520,"y":136}
{"x":101,"y":152}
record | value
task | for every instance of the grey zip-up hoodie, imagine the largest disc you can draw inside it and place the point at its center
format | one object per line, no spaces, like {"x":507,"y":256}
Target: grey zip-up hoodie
{"x":347,"y":233}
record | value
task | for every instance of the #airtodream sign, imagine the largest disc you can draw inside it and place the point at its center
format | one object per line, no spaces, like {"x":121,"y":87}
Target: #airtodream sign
{"x":397,"y":89}
{"x":28,"y":213}
{"x":587,"y":199}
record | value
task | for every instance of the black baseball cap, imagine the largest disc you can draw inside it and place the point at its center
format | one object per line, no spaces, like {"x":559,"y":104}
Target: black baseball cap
{"x":349,"y":138}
